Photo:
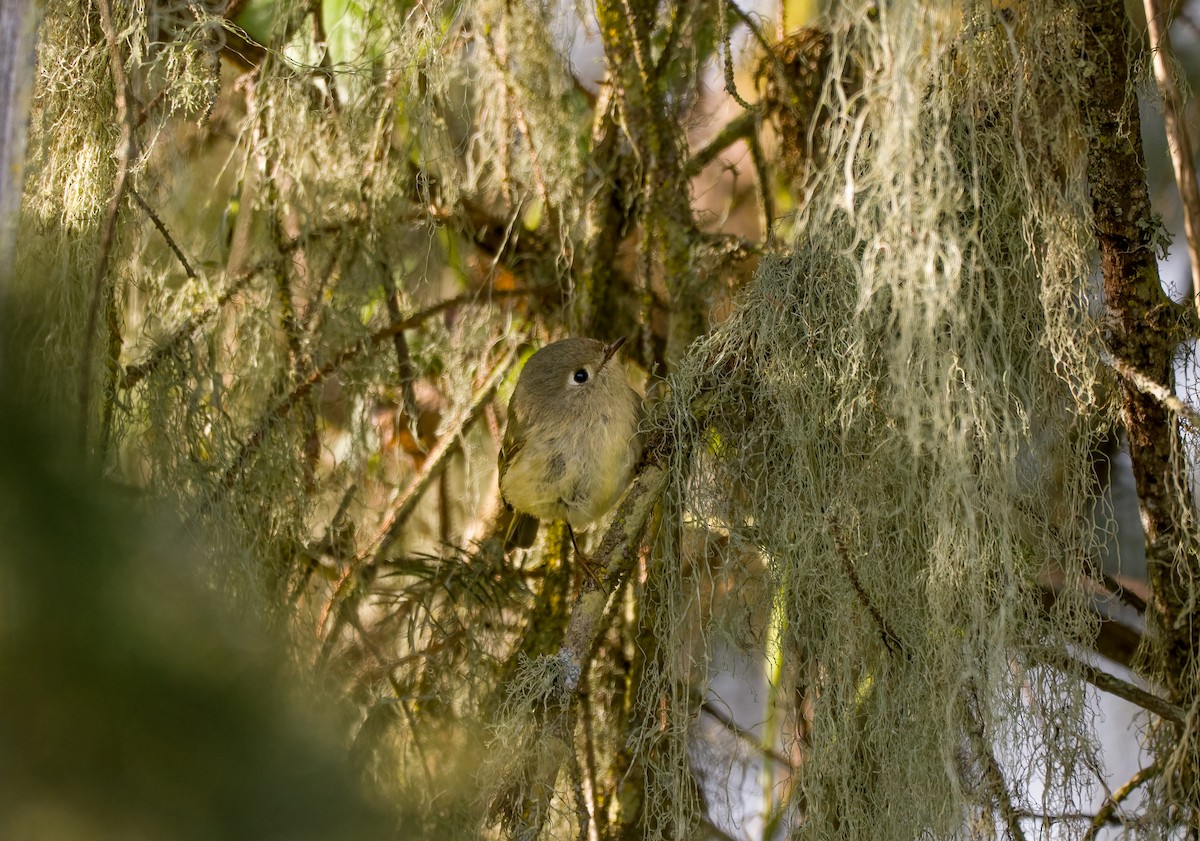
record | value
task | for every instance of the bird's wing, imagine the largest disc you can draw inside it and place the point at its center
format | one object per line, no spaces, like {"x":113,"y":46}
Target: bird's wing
{"x":514,"y":442}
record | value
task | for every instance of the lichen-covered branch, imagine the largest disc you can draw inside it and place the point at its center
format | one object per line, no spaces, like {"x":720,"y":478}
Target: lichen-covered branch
{"x":126,"y":152}
{"x":522,"y":804}
{"x":1140,"y":334}
{"x":1114,"y":801}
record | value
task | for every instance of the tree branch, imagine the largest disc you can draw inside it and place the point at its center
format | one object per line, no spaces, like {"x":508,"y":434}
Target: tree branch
{"x":1113,"y":685}
{"x":439,"y":456}
{"x":134,"y":374}
{"x":1149,"y":387}
{"x":522,"y":804}
{"x":1178,"y":141}
{"x":1141,"y":336}
{"x":285,"y":405}
{"x":162,"y":229}
{"x":1109,"y":808}
{"x":741,"y":127}
{"x":125,"y":153}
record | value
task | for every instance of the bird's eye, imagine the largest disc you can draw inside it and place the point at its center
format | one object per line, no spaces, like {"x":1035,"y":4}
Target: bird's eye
{"x":581,"y":376}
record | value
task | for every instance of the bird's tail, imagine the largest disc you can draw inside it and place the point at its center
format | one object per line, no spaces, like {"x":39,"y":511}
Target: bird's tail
{"x":522,"y":530}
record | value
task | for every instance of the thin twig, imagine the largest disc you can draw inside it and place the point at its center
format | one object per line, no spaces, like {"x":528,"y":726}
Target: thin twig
{"x":889,"y":639}
{"x":162,"y":229}
{"x":1178,"y":141}
{"x":439,"y":456}
{"x":1060,"y":817}
{"x":1114,"y":800}
{"x":285,"y":405}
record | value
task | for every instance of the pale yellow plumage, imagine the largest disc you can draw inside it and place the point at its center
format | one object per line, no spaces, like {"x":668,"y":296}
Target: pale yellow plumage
{"x":571,"y":442}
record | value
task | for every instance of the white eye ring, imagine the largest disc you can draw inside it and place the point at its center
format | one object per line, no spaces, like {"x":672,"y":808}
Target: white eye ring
{"x":580,"y":376}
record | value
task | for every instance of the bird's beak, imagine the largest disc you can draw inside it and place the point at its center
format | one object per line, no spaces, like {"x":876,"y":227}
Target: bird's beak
{"x":611,"y":349}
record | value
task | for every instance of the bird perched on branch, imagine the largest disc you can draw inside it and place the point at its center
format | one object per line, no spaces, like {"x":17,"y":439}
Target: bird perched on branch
{"x":572,"y":438}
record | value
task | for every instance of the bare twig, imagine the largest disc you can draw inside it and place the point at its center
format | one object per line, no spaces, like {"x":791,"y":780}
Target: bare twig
{"x":1178,"y":141}
{"x":162,"y":229}
{"x":1060,"y":817}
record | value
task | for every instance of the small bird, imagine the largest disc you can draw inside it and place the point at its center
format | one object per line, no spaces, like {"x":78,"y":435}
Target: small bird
{"x":572,"y":437}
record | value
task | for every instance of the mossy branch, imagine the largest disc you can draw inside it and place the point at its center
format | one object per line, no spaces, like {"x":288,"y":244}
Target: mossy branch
{"x":1135,"y":301}
{"x":126,"y":152}
{"x":1106,"y":812}
{"x":187,"y":331}
{"x":742,"y":127}
{"x":522,"y":806}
